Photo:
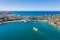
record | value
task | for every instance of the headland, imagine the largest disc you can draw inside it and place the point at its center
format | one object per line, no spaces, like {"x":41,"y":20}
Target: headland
{"x":7,"y":17}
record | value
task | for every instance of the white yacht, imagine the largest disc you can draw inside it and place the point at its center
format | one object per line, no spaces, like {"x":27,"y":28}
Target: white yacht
{"x":35,"y":29}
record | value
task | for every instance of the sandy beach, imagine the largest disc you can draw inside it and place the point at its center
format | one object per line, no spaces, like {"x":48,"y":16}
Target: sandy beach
{"x":34,"y":20}
{"x":13,"y":21}
{"x":49,"y":23}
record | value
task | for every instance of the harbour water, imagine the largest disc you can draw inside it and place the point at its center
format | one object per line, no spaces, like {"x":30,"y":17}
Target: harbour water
{"x":24,"y":31}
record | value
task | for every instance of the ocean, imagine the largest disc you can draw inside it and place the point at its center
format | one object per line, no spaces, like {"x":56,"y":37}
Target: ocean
{"x":35,"y":13}
{"x":24,"y":30}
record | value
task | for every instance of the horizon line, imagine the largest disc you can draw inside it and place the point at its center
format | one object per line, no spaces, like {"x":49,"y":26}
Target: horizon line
{"x":27,"y":10}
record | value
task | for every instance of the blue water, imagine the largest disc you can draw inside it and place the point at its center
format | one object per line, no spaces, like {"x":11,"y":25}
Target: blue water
{"x":24,"y":31}
{"x":35,"y":13}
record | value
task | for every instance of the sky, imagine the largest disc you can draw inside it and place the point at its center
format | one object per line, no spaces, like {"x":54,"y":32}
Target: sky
{"x":29,"y":5}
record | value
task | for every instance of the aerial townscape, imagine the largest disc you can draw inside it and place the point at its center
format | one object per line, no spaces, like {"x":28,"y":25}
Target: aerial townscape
{"x":6,"y":17}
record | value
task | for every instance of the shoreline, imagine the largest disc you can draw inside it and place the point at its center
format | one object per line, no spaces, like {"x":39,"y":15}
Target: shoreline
{"x":33,"y":20}
{"x":50,"y":23}
{"x":14,"y":21}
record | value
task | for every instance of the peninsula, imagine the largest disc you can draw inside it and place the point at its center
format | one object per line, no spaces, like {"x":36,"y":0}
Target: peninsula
{"x":6,"y":17}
